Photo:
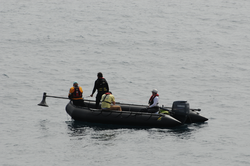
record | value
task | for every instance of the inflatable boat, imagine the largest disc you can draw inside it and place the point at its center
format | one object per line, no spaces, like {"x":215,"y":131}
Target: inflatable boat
{"x":131,"y":114}
{"x":178,"y":114}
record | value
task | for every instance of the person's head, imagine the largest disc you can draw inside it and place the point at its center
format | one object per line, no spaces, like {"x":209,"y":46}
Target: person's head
{"x":154,"y":91}
{"x":75,"y":84}
{"x":99,"y":75}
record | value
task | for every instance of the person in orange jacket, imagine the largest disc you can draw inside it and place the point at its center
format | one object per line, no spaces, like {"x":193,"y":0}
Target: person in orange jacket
{"x":75,"y":95}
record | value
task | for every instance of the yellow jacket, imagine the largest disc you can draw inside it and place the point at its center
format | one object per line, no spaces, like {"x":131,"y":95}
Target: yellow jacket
{"x":106,"y":100}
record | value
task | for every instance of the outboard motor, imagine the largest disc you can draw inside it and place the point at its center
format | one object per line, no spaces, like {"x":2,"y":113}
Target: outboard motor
{"x":180,"y":110}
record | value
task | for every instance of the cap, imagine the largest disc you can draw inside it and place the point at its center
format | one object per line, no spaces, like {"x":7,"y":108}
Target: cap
{"x":155,"y":91}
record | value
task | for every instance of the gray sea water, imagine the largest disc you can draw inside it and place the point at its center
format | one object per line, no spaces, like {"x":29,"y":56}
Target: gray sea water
{"x":197,"y":51}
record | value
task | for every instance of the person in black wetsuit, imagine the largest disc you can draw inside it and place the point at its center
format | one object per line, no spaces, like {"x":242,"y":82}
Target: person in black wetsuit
{"x":101,"y":85}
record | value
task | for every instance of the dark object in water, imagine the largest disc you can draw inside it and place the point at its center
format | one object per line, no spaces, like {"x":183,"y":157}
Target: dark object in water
{"x":180,"y":113}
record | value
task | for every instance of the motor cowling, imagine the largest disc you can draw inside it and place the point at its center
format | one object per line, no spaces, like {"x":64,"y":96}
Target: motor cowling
{"x":180,"y":110}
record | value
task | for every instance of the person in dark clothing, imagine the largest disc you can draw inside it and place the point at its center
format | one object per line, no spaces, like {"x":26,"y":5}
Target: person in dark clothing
{"x":101,"y":85}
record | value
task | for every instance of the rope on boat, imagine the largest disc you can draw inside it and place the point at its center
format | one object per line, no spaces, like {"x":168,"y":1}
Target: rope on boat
{"x":107,"y":111}
{"x":120,"y":112}
{"x":149,"y":117}
{"x":100,"y":112}
{"x":128,"y":115}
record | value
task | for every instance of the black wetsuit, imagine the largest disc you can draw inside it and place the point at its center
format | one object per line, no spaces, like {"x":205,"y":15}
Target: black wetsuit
{"x":101,"y":85}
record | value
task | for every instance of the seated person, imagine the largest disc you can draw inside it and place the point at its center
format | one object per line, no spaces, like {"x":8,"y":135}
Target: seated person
{"x":153,"y":103}
{"x":108,"y":99}
{"x":75,"y":95}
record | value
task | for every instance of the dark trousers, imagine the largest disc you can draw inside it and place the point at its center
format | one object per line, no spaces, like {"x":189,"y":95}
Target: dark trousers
{"x":150,"y":110}
{"x":79,"y":103}
{"x":98,"y":99}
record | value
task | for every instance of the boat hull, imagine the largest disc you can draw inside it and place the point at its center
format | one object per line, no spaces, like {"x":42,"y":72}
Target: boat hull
{"x":121,"y":117}
{"x":131,"y":115}
{"x":192,"y":116}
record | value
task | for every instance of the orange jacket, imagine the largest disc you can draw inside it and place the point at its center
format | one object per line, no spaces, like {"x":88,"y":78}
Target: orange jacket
{"x":75,"y":94}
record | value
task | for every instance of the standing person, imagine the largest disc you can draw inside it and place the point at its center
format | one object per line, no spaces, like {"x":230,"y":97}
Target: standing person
{"x":75,"y":94}
{"x":101,"y":85}
{"x":153,"y":103}
{"x":107,"y":100}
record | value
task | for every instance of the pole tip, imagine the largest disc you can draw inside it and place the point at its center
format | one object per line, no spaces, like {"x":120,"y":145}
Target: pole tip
{"x":43,"y":102}
{"x":45,"y":105}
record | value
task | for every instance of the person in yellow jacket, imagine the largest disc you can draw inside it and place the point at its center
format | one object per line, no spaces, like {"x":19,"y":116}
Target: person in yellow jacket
{"x":108,"y":99}
{"x":75,"y":95}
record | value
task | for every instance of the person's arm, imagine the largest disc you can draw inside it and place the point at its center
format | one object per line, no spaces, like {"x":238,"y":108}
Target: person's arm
{"x":113,"y":100}
{"x":70,"y":92}
{"x":80,"y":88}
{"x":94,"y":89}
{"x":107,"y":86}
